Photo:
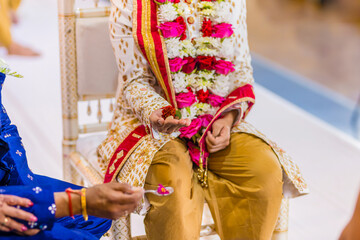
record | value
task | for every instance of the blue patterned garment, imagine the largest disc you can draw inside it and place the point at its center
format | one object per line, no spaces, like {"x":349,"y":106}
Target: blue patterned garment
{"x":17,"y":179}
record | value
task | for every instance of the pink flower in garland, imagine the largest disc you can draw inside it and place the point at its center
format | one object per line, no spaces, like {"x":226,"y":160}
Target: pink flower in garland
{"x":223,"y":67}
{"x":185,"y":99}
{"x":173,"y":29}
{"x":206,"y":119}
{"x":195,"y":153}
{"x":176,"y":64}
{"x":188,"y":132}
{"x":222,"y":30}
{"x":215,"y":100}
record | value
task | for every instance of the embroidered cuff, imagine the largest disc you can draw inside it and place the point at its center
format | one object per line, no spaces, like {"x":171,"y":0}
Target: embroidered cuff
{"x":44,"y":207}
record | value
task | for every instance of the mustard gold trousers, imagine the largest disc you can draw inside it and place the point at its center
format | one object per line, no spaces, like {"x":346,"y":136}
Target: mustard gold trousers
{"x":5,"y":22}
{"x":244,"y":193}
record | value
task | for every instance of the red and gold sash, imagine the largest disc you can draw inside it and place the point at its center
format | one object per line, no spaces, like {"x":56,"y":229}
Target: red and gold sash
{"x":124,"y":150}
{"x":151,"y":43}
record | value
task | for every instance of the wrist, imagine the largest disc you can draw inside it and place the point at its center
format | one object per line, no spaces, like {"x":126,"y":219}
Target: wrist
{"x":62,"y":204}
{"x":76,"y":203}
{"x":230,"y":117}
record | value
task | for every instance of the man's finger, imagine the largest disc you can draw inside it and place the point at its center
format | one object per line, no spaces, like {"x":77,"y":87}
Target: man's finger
{"x":212,"y":139}
{"x":209,"y":145}
{"x":216,"y":130}
{"x":225,"y":131}
{"x":15,"y":200}
{"x":121,"y":198}
{"x":160,"y":121}
{"x":122,"y":187}
{"x":221,"y":140}
{"x":171,"y":129}
{"x":175,"y":122}
{"x":217,"y":148}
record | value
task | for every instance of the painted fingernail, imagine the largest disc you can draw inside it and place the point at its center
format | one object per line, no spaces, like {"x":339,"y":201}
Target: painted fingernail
{"x":30,"y":204}
{"x":23,"y":228}
{"x":33,"y":219}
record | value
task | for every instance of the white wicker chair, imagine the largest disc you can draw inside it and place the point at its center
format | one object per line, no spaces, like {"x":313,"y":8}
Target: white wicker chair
{"x":89,"y":73}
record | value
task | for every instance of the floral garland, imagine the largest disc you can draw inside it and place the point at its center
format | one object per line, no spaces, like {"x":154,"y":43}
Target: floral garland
{"x":199,"y":67}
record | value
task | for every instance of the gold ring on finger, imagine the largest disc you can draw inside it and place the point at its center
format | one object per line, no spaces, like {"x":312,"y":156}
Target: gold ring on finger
{"x":5,"y":222}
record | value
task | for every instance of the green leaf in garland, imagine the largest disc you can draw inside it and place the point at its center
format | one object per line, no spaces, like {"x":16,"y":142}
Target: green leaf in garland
{"x":178,"y":114}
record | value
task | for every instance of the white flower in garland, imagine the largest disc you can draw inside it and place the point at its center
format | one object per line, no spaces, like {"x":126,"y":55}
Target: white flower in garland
{"x":176,"y":48}
{"x":221,"y":86}
{"x":167,"y":12}
{"x":210,"y":42}
{"x":191,"y":79}
{"x":207,"y":75}
{"x":182,"y":9}
{"x":180,"y":83}
{"x":187,"y":49}
{"x":208,"y":46}
{"x":206,"y":8}
{"x":173,"y":47}
{"x":189,"y":112}
{"x":202,"y":108}
{"x":202,"y":84}
{"x":201,"y":80}
{"x":204,"y":51}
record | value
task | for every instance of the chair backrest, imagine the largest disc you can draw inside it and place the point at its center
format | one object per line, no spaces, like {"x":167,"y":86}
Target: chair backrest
{"x":88,"y":68}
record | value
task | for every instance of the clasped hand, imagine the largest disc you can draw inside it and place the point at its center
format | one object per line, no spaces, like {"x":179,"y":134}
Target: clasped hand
{"x":219,"y":137}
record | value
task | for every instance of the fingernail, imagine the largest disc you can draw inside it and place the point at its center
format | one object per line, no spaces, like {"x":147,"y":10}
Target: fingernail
{"x":30,"y":204}
{"x":33,"y":219}
{"x":23,"y":228}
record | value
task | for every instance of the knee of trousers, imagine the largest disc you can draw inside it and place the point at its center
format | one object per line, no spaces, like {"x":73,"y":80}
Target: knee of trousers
{"x":263,"y":171}
{"x":172,"y":167}
{"x":267,"y":176}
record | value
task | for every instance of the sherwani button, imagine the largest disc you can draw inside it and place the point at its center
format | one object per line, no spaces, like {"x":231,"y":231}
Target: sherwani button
{"x":190,"y":20}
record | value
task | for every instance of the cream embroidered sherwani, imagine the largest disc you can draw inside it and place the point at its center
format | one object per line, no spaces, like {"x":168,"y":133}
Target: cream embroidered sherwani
{"x":131,"y":144}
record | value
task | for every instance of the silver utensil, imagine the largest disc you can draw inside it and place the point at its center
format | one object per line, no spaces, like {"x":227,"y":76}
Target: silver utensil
{"x":169,"y":189}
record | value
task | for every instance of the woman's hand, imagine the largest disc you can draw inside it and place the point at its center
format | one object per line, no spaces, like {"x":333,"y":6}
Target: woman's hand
{"x":8,"y":214}
{"x":112,"y":200}
{"x":168,"y":125}
{"x":219,"y":137}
